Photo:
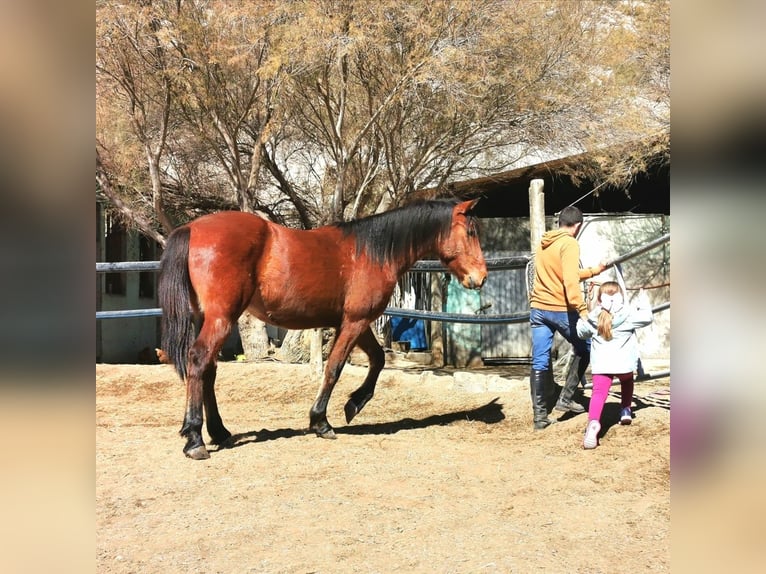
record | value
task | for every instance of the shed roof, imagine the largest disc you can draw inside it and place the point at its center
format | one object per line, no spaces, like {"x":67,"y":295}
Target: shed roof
{"x":506,"y":194}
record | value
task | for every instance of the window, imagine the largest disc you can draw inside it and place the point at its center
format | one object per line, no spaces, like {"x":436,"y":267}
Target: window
{"x":147,"y":251}
{"x":116,"y":250}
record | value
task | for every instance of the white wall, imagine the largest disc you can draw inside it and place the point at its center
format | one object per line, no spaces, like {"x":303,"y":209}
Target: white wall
{"x":123,"y":339}
{"x":603,"y":237}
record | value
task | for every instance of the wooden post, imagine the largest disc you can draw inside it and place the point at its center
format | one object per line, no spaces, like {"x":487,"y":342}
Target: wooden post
{"x":315,"y":360}
{"x":536,"y":213}
{"x":536,"y":221}
{"x":437,"y":327}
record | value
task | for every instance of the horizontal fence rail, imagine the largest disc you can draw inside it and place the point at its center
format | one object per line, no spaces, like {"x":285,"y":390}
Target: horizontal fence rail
{"x":127,"y":266}
{"x":497,"y":263}
{"x":390,"y":311}
{"x":476,"y":318}
{"x":126,"y":313}
{"x":640,"y":250}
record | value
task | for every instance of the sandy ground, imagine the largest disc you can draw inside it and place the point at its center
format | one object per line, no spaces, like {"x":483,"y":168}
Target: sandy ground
{"x":439,"y":473}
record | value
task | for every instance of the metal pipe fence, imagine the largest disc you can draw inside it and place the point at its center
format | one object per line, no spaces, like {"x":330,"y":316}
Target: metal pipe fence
{"x":498,"y":263}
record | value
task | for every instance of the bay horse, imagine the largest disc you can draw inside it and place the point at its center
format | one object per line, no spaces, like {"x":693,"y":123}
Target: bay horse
{"x":340,"y":276}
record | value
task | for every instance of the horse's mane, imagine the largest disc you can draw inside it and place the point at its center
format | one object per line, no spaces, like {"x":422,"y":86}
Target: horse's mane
{"x":397,"y":234}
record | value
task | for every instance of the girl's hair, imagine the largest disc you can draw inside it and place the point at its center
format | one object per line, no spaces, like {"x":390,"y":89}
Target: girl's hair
{"x":605,"y":317}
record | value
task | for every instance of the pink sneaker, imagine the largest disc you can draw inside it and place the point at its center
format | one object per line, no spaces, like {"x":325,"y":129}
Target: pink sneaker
{"x":591,"y":435}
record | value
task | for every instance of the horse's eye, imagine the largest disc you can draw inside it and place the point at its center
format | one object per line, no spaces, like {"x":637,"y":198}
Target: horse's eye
{"x":471,"y":232}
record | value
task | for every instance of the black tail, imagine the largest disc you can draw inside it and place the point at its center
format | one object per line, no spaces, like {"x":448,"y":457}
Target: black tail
{"x":174,"y":293}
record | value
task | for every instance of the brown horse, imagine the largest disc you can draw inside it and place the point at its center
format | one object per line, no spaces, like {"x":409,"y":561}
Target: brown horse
{"x":341,"y":276}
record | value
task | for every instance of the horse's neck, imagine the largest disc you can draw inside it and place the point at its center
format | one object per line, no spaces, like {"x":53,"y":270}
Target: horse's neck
{"x":419,"y":252}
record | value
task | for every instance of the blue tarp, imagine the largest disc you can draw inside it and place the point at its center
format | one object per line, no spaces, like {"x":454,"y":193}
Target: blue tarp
{"x":412,"y":331}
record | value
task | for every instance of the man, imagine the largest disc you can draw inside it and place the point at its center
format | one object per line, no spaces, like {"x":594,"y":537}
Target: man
{"x":556,"y":303}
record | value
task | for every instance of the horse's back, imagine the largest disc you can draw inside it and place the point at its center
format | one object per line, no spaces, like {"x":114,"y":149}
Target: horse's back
{"x":225,"y":225}
{"x":288,"y":277}
{"x":243,"y":238}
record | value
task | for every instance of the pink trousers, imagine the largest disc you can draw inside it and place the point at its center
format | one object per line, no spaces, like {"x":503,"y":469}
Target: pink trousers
{"x":601,"y":384}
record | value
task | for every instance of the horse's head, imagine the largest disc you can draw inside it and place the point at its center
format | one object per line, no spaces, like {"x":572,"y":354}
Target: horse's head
{"x":460,"y":251}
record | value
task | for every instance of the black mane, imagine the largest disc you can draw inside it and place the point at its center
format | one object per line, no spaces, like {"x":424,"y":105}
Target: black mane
{"x":399,"y":233}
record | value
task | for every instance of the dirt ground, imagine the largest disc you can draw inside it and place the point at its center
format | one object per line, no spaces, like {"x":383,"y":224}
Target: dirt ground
{"x":438,"y":474}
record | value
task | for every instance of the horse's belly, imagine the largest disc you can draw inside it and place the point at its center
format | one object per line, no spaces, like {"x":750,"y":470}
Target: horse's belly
{"x":296,"y":312}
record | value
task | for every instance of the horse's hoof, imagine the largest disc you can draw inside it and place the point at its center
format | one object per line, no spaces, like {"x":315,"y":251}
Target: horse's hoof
{"x":197,"y":453}
{"x":327,"y":434}
{"x":350,"y":410}
{"x":223,"y":442}
{"x":228,"y":443}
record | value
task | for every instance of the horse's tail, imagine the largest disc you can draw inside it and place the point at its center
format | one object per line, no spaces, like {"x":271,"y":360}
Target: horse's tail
{"x":175,"y":297}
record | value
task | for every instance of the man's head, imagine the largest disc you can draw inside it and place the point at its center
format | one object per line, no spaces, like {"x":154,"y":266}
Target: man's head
{"x":570,"y":218}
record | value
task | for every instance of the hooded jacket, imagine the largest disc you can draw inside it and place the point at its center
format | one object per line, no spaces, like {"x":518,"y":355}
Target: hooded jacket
{"x":620,"y":354}
{"x":558,"y":274}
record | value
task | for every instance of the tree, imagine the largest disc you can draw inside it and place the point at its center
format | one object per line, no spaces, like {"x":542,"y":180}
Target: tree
{"x":396,"y":96}
{"x":191,"y":85}
{"x":311,"y":112}
{"x":306,"y":108}
{"x":632,"y":132}
{"x":133,"y":64}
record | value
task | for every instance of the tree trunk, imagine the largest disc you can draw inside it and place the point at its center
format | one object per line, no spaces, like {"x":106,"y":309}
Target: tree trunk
{"x":295,"y":347}
{"x":306,"y":346}
{"x":437,"y":328}
{"x":255,"y":339}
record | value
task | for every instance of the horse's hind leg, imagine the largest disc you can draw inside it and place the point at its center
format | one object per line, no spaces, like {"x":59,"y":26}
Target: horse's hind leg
{"x":218,"y":433}
{"x":200,"y":381}
{"x":369,"y":344}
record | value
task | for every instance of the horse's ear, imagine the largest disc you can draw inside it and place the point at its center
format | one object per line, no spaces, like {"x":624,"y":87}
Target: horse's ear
{"x":467,"y":207}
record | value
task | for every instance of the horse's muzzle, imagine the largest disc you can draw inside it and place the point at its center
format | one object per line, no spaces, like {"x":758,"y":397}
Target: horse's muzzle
{"x":472,"y":282}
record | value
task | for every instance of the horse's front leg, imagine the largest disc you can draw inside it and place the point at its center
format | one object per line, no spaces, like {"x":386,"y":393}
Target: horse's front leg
{"x":377,"y":359}
{"x":345,"y":339}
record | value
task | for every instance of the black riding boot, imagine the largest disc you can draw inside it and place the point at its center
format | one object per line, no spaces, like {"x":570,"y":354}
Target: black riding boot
{"x":552,"y":390}
{"x":538,"y":390}
{"x":574,"y":374}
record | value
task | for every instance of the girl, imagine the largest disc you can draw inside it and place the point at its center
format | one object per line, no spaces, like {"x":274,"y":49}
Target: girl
{"x":614,"y":351}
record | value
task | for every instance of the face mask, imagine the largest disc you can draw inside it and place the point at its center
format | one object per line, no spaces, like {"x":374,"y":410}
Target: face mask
{"x":611,"y":303}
